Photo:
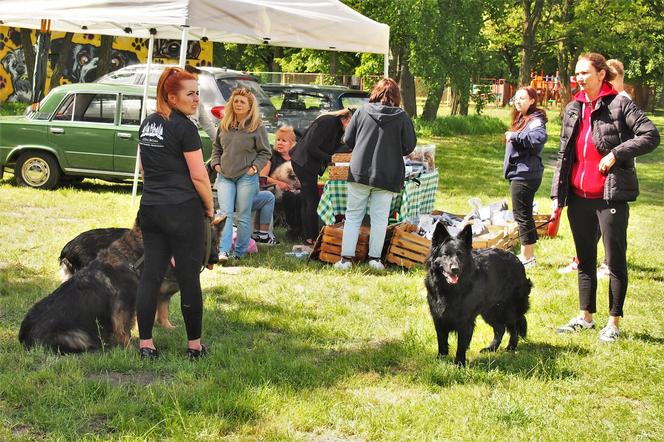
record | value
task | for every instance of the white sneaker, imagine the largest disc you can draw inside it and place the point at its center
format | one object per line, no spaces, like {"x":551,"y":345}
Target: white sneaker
{"x":603,"y":271}
{"x":343,"y":264}
{"x":569,"y":268}
{"x":576,"y":324}
{"x":376,"y":264}
{"x":610,"y":333}
{"x":223,"y":257}
{"x":528,"y":263}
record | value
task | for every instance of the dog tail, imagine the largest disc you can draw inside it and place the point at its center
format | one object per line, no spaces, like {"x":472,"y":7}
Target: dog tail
{"x":72,"y":341}
{"x":24,"y":335}
{"x":522,"y":326}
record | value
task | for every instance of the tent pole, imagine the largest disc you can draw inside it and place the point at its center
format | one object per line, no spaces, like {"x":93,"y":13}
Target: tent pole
{"x":183,"y":46}
{"x":144,"y":112}
{"x":386,"y":65}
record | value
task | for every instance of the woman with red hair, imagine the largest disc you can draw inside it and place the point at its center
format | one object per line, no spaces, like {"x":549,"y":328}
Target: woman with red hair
{"x":523,"y":167}
{"x":380,"y":134}
{"x":176,"y":197}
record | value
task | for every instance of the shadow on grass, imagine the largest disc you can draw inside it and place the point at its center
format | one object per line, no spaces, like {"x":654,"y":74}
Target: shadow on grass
{"x":647,"y":338}
{"x":20,"y":287}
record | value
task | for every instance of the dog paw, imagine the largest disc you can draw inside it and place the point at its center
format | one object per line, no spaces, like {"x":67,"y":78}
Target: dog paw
{"x":511,"y":348}
{"x":167,"y":325}
{"x":489,"y":349}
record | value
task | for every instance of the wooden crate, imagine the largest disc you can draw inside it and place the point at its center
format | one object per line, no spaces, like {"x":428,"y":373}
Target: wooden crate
{"x":328,"y":245}
{"x":407,"y":249}
{"x":500,"y":237}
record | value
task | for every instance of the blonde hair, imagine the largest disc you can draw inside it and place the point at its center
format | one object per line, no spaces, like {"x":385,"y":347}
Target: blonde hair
{"x":616,"y":66}
{"x":288,"y":132}
{"x":253,"y":119}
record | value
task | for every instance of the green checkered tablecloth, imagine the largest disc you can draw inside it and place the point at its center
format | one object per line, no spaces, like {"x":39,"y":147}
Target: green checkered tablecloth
{"x":413,"y":200}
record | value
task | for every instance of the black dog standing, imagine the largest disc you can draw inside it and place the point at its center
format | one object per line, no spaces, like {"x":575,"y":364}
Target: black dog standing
{"x":463,"y":283}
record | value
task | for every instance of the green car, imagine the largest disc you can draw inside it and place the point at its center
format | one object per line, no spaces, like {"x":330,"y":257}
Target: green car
{"x":85,"y":130}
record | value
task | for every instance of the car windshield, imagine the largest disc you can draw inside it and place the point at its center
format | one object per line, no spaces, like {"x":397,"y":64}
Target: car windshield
{"x":353,"y":101}
{"x":227,"y":85}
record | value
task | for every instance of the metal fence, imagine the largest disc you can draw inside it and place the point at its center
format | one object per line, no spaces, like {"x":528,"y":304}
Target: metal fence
{"x":352,"y":81}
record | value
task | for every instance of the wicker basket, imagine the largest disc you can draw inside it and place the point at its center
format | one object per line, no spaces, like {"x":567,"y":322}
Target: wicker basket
{"x":543,"y":226}
{"x":339,"y":168}
{"x":338,"y":172}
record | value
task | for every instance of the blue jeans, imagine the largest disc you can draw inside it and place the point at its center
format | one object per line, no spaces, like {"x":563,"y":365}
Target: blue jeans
{"x":378,"y":200}
{"x":235,"y":198}
{"x":264,"y":204}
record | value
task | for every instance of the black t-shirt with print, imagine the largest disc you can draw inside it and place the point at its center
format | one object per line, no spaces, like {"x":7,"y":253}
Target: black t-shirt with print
{"x":166,"y":178}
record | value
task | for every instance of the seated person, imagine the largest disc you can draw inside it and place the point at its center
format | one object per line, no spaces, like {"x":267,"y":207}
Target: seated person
{"x":287,"y":185}
{"x":263,"y":203}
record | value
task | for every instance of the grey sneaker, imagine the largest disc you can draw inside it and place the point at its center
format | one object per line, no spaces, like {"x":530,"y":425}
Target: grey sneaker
{"x":223,"y":257}
{"x":343,"y":264}
{"x":610,"y":333}
{"x":576,"y":324}
{"x":376,"y":264}
{"x":528,"y":263}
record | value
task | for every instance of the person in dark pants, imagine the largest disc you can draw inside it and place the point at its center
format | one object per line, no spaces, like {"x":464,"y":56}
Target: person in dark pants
{"x":176,"y":197}
{"x":524,"y":143}
{"x":602,"y":133}
{"x":310,"y":158}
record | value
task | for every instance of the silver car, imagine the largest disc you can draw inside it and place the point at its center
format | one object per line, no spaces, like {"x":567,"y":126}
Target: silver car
{"x":216,"y":86}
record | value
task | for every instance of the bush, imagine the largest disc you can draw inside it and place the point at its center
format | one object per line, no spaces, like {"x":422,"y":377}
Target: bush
{"x":459,"y":125}
{"x":12,"y":108}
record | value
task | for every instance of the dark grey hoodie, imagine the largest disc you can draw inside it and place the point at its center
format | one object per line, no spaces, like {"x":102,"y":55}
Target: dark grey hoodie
{"x":380,"y":137}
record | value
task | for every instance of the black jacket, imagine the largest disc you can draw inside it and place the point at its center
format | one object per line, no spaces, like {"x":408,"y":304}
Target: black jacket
{"x":618,"y":126}
{"x":380,"y":136}
{"x":319,"y":142}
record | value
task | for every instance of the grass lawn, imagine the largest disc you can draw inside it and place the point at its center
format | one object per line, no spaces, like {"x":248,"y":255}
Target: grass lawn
{"x":301,"y":352}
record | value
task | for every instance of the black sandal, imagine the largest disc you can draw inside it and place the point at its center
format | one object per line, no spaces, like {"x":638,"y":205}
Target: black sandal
{"x":196,"y":354}
{"x":148,"y":353}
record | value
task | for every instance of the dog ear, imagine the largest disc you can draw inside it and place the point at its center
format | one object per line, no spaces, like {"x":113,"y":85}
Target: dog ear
{"x":440,"y":234}
{"x":467,"y":235}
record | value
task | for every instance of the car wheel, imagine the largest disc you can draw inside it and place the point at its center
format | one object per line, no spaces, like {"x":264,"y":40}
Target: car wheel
{"x":37,"y":169}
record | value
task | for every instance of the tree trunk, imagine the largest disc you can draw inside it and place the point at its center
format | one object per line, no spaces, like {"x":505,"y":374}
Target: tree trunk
{"x":28,"y":52}
{"x":430,"y":110}
{"x":104,"y":62}
{"x":408,"y":90}
{"x":278,"y":52}
{"x":532,"y":16}
{"x":63,"y":58}
{"x":565,"y":57}
{"x":454,"y":106}
{"x":333,"y":63}
{"x":641,"y":93}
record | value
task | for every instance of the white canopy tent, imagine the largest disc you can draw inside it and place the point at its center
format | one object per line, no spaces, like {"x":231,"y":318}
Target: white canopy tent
{"x":315,"y":24}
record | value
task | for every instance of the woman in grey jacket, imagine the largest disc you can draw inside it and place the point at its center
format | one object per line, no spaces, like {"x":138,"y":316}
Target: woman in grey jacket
{"x":240,"y":150}
{"x":523,"y":167}
{"x":380,"y":134}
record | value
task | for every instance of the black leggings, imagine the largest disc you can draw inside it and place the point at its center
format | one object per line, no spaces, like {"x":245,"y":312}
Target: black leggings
{"x":587,"y":218}
{"x":310,"y":200}
{"x":172,"y":230}
{"x":523,"y":194}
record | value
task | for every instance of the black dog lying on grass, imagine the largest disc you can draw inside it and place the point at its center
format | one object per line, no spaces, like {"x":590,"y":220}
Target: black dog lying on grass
{"x":93,"y":308}
{"x":81,"y":250}
{"x":97,"y":304}
{"x":463,"y":283}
